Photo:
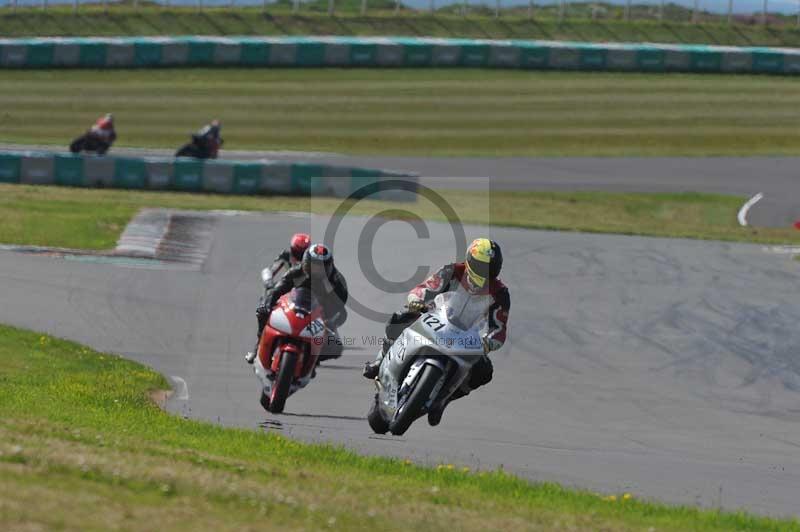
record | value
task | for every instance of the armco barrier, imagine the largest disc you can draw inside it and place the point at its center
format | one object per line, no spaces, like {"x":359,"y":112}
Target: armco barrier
{"x":184,"y":174}
{"x":145,"y":52}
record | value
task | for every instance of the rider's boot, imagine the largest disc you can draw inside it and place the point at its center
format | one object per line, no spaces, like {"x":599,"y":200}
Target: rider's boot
{"x":333,"y":346}
{"x":437,"y":410}
{"x":250,"y":356}
{"x":371,"y":368}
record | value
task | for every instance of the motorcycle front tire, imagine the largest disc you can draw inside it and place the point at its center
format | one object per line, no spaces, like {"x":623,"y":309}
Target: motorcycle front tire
{"x":283,"y":382}
{"x":413,"y":407}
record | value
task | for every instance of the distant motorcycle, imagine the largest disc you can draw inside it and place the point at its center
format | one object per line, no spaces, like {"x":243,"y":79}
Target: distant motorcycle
{"x":89,"y":142}
{"x":289,"y":348}
{"x":427,"y":363}
{"x":201,"y":147}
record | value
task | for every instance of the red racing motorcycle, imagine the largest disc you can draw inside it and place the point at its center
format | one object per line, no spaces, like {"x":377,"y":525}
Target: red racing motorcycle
{"x":289,"y":348}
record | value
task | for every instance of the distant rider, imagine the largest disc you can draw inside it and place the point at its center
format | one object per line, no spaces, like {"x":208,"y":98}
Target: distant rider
{"x":99,"y":138}
{"x":211,"y":132}
{"x":477,"y":276}
{"x":103,"y":129}
{"x":317,"y":273}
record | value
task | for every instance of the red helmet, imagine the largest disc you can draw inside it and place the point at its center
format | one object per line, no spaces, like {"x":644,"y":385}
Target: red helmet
{"x":107,"y":122}
{"x":298,"y":245}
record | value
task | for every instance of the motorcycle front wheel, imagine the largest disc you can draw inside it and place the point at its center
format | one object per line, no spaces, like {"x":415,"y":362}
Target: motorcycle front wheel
{"x":283,"y":382}
{"x":412,"y":408}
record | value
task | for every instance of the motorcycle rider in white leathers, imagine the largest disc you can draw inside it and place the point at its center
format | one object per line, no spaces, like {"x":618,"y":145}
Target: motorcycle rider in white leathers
{"x":477,"y":276}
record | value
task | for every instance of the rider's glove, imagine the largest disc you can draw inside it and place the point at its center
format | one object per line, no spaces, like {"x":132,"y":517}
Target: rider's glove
{"x":486,"y":345}
{"x":417,"y":305}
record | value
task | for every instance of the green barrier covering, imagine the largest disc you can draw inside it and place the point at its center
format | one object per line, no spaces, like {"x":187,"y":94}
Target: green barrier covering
{"x":307,"y":179}
{"x":255,"y":53}
{"x":195,"y":175}
{"x":68,"y":170}
{"x":130,"y":173}
{"x":93,"y":54}
{"x":40,"y":55}
{"x":309,"y":53}
{"x":146,"y":54}
{"x":246,"y":178}
{"x":390,"y":51}
{"x":188,"y":174}
{"x":200,"y":53}
{"x":363,"y":183}
{"x":10,"y":165}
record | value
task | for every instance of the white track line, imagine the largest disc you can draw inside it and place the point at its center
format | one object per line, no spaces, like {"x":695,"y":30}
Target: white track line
{"x":746,"y":207}
{"x":783,"y":250}
{"x":183,"y":394}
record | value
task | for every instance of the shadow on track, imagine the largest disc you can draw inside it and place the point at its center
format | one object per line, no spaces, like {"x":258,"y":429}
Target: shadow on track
{"x":326,"y":416}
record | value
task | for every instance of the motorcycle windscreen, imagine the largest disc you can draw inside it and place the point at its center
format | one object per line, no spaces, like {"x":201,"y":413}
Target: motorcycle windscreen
{"x":462,"y":310}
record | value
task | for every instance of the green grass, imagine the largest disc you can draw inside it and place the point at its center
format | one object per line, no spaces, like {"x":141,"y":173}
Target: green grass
{"x":420,"y":112}
{"x":122,"y":20}
{"x":93,"y":219}
{"x":82,"y":447}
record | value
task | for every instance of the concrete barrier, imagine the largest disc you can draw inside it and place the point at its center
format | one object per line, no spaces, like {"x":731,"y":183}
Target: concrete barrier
{"x":148,"y":52}
{"x":195,"y":175}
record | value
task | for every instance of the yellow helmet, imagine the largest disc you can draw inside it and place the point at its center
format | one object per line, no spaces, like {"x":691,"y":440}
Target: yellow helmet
{"x":483,"y":262}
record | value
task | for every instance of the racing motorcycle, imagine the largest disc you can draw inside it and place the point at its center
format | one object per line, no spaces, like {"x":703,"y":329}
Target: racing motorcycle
{"x":201,"y":147}
{"x":427,"y":363}
{"x":89,"y":143}
{"x":289,"y":348}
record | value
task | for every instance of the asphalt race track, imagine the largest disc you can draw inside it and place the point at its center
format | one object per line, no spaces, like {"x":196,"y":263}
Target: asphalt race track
{"x":666,"y":368}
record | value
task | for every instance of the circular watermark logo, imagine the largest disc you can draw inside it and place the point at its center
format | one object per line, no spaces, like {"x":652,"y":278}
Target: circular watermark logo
{"x":366,"y":237}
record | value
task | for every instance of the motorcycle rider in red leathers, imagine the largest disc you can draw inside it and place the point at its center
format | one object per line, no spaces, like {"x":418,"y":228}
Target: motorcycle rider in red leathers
{"x":478,"y":277}
{"x":292,"y":255}
{"x":99,"y":138}
{"x":103,"y":129}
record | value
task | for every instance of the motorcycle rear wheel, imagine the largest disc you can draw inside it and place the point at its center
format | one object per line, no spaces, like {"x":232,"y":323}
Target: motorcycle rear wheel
{"x":283,"y":382}
{"x":412,"y":408}
{"x":376,"y":421}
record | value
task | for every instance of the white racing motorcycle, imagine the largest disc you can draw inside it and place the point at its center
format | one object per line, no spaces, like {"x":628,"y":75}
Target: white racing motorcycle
{"x":427,"y":363}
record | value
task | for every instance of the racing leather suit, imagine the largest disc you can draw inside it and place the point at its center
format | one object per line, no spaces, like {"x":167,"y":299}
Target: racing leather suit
{"x":494,"y":299}
{"x":103,"y":130}
{"x":282,"y":262}
{"x":210,"y":132}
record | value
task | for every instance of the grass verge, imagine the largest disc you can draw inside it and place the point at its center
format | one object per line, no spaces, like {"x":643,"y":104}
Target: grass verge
{"x":94,"y":219}
{"x":413,"y":112}
{"x":83,"y":448}
{"x":382,"y":20}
